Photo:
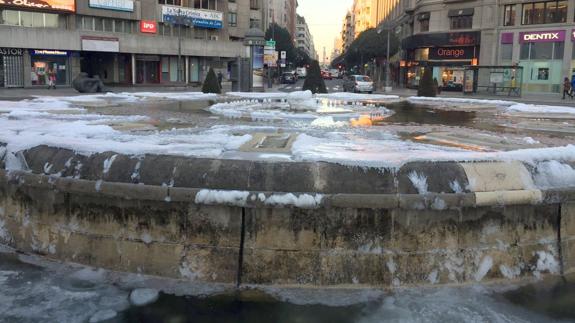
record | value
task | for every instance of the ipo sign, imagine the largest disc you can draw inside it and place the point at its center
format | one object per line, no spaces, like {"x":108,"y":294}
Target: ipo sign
{"x":149,"y":27}
{"x":192,"y":17}
{"x":542,"y":36}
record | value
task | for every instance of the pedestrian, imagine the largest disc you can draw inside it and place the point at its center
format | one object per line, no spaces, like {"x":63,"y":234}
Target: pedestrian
{"x":513,"y":87}
{"x":437,"y":87}
{"x":567,"y":88}
{"x":572,"y":86}
{"x":51,"y":79}
{"x":220,"y":78}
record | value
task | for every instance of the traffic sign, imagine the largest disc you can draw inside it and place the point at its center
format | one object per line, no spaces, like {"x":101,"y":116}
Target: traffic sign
{"x":271,"y":43}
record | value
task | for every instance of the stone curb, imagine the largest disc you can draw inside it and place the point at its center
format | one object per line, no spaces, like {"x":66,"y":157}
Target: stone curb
{"x":430,"y":201}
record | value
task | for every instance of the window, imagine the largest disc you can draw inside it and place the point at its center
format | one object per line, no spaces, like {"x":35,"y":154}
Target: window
{"x":506,"y":52}
{"x":544,"y":12}
{"x":104,"y":24}
{"x":509,"y":15}
{"x":462,"y":22}
{"x":32,"y":19}
{"x":171,"y":2}
{"x":543,"y":74}
{"x":254,"y":4}
{"x":424,"y":25}
{"x":232,"y":19}
{"x":542,"y":51}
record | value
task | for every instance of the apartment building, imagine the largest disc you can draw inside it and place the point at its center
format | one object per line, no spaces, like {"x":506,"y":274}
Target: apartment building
{"x":122,"y":41}
{"x":281,"y":12}
{"x":304,"y":39}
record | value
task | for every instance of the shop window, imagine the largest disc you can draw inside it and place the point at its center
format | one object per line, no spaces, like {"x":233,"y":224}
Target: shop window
{"x":509,"y":15}
{"x":88,"y":23}
{"x":542,"y":51}
{"x":544,"y":12}
{"x":98,"y":24}
{"x":506,"y":52}
{"x":44,"y":66}
{"x":232,"y":19}
{"x":108,"y":25}
{"x":543,"y":74}
{"x":205,"y":4}
{"x":461,"y":22}
{"x":32,"y":19}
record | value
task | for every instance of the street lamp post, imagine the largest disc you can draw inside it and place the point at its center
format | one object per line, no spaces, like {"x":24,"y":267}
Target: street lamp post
{"x":180,"y":20}
{"x":387,"y":27}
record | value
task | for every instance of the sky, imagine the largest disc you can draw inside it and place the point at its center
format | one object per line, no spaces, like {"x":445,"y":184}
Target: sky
{"x":324,"y":18}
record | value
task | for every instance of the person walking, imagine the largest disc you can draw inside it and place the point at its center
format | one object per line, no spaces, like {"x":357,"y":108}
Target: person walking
{"x":51,"y":79}
{"x":572,"y":86}
{"x":220,"y":78}
{"x":567,"y":88}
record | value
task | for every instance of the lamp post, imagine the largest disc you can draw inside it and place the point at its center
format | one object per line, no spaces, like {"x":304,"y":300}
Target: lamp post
{"x":179,"y":20}
{"x":387,"y":27}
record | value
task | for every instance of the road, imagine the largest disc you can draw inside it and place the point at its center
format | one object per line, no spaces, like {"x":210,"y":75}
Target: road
{"x":334,"y":85}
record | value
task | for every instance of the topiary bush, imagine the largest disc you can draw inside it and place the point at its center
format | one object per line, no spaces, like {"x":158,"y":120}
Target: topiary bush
{"x":313,"y":81}
{"x":426,"y":85}
{"x":211,"y":84}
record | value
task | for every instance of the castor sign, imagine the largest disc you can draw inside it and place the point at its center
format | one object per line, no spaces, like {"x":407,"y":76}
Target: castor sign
{"x":441,"y":53}
{"x":48,"y":5}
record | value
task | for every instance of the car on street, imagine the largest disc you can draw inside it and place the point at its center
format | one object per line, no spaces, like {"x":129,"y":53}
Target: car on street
{"x":357,"y":84}
{"x":288,"y":78}
{"x":335,"y":73}
{"x":326,"y":75}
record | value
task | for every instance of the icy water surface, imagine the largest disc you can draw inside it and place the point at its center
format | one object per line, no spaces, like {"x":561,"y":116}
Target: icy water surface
{"x":35,"y":290}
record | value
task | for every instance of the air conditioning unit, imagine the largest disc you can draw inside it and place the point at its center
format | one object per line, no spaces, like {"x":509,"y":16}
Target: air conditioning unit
{"x":213,"y":37}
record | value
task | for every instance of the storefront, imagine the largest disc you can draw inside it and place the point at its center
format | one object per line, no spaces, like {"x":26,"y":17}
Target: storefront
{"x":46,"y":61}
{"x":147,"y":69}
{"x":541,"y":56}
{"x":446,"y":53}
{"x":11,"y":67}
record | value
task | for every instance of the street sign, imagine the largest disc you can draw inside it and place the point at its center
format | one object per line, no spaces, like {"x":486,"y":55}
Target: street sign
{"x":271,"y":43}
{"x":283,"y":54}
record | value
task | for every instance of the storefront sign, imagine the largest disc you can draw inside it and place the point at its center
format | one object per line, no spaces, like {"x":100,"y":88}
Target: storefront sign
{"x":442,"y":39}
{"x":120,"y":5}
{"x":11,"y":51}
{"x":542,"y":36}
{"x":149,"y":27}
{"x":442,"y":53}
{"x":48,"y":52}
{"x":100,"y":44}
{"x":49,"y":5}
{"x":192,"y":17}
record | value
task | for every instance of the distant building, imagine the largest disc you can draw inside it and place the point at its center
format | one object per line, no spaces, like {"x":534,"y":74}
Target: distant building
{"x":304,"y":39}
{"x":122,"y":41}
{"x":281,"y":12}
{"x":347,"y":31}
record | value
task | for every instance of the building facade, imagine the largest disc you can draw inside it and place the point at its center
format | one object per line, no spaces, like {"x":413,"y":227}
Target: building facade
{"x":304,"y":39}
{"x":122,"y":41}
{"x":281,"y":12}
{"x":347,"y":31}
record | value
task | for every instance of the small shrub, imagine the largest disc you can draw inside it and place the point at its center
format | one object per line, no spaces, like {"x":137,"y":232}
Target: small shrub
{"x":426,"y":85}
{"x":211,"y":84}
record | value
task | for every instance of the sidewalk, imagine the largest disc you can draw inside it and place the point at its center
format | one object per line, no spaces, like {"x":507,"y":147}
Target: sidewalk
{"x":531,"y":98}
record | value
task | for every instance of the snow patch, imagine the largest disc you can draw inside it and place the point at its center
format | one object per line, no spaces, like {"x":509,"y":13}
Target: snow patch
{"x":302,"y":201}
{"x":484,"y":268}
{"x":143,"y":296}
{"x":108,"y":163}
{"x":509,"y":272}
{"x":4,"y":234}
{"x":433,"y":277}
{"x":546,"y":262}
{"x":238,"y":198}
{"x":554,"y":174}
{"x":327,"y":122}
{"x":103,"y":315}
{"x":540,"y":109}
{"x":456,"y":187}
{"x":419,"y":181}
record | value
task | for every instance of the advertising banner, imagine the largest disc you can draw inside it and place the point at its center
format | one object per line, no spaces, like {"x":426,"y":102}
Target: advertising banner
{"x":258,"y":67}
{"x":48,"y":5}
{"x":119,"y":5}
{"x":549,"y":36}
{"x":192,"y":17}
{"x":149,"y":27}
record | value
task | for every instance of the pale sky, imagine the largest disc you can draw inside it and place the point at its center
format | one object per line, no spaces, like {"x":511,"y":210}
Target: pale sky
{"x":324,"y":18}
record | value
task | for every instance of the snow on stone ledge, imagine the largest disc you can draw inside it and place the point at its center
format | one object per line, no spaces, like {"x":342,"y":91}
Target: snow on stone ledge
{"x":357,"y":96}
{"x":427,"y":100}
{"x":237,"y":198}
{"x":531,"y":108}
{"x":304,"y":201}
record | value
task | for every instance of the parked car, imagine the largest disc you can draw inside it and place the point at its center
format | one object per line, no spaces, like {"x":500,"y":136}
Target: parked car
{"x":335,"y":73}
{"x":358,"y":83}
{"x":301,"y":72}
{"x":288,"y":78}
{"x":326,"y":75}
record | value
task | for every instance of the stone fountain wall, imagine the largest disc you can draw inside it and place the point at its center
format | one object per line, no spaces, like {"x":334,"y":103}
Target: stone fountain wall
{"x":363,"y":226}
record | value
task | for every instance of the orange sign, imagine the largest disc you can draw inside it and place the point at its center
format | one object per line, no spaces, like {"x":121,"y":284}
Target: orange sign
{"x":48,"y":5}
